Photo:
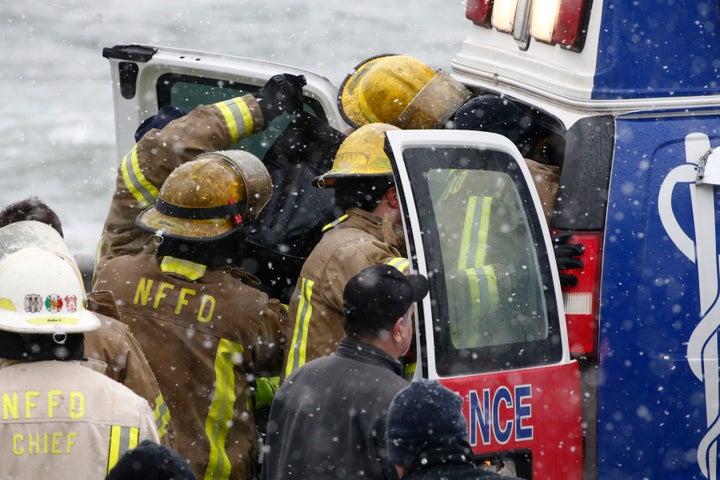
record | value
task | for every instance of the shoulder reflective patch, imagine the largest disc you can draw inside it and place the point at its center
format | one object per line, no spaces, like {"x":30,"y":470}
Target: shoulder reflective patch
{"x":186,"y":268}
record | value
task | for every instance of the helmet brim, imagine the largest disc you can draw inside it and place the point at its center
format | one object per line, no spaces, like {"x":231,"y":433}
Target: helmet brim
{"x":328,"y":180}
{"x":78,"y":322}
{"x":152,"y":220}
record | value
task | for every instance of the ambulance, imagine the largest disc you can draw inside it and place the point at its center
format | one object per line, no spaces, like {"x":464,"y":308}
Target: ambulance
{"x":614,"y":377}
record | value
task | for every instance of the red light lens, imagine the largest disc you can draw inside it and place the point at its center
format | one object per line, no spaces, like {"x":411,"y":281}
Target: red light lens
{"x":568,"y":25}
{"x":479,"y":12}
{"x":582,"y":301}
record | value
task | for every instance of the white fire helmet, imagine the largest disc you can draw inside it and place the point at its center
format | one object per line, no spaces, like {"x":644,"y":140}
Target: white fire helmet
{"x":41,"y":291}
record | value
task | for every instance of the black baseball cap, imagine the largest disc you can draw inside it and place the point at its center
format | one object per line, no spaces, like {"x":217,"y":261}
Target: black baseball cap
{"x":377,"y":296}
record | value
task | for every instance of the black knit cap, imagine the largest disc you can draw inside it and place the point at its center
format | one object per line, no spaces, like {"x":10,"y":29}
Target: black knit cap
{"x":492,"y":113}
{"x":424,"y":413}
{"x":377,"y":296}
{"x":151,"y":461}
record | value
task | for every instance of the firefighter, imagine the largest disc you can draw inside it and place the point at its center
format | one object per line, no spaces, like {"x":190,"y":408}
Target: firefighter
{"x":175,"y":136}
{"x":31,"y":223}
{"x":210,"y":335}
{"x":403,"y":91}
{"x":60,"y":417}
{"x":328,"y":418}
{"x":368,"y":233}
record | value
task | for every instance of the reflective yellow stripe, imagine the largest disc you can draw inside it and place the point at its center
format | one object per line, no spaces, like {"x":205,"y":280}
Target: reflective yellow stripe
{"x":483,"y":290}
{"x":162,"y":415}
{"x":335,"y":222}
{"x":140,"y":187}
{"x":186,"y":268}
{"x":298,"y":347}
{"x":409,"y":370}
{"x":219,"y":419}
{"x":402,"y":264}
{"x":476,"y":298}
{"x":475,"y":232}
{"x":236,"y":112}
{"x":483,"y":231}
{"x":122,"y":439}
{"x":492,"y":288}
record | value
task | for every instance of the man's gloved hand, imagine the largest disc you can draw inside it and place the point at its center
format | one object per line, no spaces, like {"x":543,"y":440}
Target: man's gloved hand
{"x":566,"y":256}
{"x":282,"y":93}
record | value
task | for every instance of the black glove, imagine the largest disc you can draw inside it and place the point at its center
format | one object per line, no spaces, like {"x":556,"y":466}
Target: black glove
{"x":282,"y":93}
{"x":566,"y":257}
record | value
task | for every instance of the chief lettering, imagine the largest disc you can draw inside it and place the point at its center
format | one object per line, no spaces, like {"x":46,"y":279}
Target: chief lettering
{"x":55,"y":443}
{"x":156,"y":294}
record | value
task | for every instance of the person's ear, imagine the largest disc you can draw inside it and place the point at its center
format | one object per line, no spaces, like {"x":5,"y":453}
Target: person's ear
{"x":392,"y":197}
{"x":396,"y":330}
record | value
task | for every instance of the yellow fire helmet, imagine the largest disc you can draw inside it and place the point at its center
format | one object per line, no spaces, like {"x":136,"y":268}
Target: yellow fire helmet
{"x":41,"y":291}
{"x":399,"y":90}
{"x":362,"y":154}
{"x":209,"y":197}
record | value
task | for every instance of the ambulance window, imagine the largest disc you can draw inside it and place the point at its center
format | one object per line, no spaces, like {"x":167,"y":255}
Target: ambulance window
{"x":495,"y":305}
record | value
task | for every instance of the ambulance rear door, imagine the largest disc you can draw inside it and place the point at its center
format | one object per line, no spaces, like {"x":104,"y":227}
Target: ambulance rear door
{"x":659,"y":394}
{"x":492,"y":327}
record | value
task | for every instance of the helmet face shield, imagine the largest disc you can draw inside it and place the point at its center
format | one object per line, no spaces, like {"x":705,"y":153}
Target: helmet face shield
{"x":435,"y":104}
{"x":209,"y":197}
{"x":42,"y":292}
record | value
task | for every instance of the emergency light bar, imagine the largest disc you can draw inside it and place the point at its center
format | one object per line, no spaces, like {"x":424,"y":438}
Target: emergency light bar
{"x":555,"y":22}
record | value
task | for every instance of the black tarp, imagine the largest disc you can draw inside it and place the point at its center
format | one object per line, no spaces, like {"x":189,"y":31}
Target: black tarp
{"x":291,"y":223}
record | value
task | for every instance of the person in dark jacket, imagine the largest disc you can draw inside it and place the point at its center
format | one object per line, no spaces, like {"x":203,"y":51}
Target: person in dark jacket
{"x":426,"y":435}
{"x":327,"y":420}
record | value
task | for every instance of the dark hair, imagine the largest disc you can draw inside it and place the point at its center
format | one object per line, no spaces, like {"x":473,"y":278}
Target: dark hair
{"x":364,"y":193}
{"x":356,"y":329}
{"x":31,"y":208}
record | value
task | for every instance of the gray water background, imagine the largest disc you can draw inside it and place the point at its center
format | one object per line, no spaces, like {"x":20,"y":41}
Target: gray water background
{"x":56,"y":121}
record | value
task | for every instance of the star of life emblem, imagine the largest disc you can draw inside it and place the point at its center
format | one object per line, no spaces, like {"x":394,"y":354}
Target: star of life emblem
{"x":701,"y":249}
